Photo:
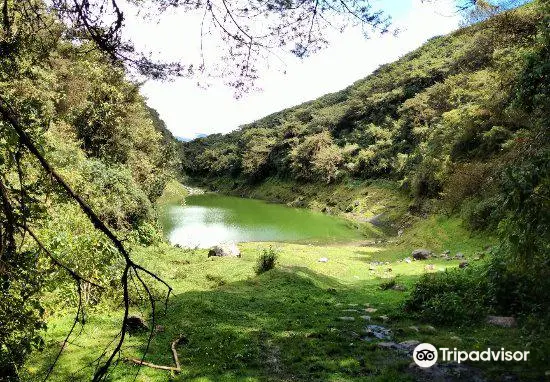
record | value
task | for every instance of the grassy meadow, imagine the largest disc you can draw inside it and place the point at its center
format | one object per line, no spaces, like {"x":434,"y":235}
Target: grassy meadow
{"x":285,"y":324}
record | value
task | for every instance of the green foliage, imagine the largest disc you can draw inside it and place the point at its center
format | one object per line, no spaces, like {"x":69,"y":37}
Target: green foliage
{"x":94,"y":128}
{"x":414,"y":120}
{"x":266,"y":261}
{"x":317,"y":157}
{"x":451,"y":297}
{"x":71,"y":236}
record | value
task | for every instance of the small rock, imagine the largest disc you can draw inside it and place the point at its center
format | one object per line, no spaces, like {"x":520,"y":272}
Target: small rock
{"x":459,"y":256}
{"x":378,"y":331}
{"x":408,"y":260}
{"x":447,"y":252}
{"x":409,"y":345}
{"x":421,"y":254}
{"x":159,"y":329}
{"x":509,"y":378}
{"x":414,"y":328}
{"x":353,"y":304}
{"x":346,"y":318}
{"x":323,"y":260}
{"x":456,"y":338}
{"x":370,"y":310}
{"x":399,"y":287}
{"x":445,"y":257}
{"x":429,"y":267}
{"x":505,"y":322}
{"x":428,"y":329}
{"x":384,"y":318}
{"x":400,"y":232}
{"x":463,"y":264}
{"x":366,"y":318}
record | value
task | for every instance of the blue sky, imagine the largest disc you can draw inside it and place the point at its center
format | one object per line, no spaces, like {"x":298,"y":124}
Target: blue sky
{"x":190,"y":110}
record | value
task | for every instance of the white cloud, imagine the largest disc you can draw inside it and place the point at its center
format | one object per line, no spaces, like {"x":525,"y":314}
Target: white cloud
{"x":189,"y":110}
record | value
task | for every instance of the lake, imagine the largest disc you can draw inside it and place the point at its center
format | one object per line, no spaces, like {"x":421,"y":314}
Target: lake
{"x":209,"y":219}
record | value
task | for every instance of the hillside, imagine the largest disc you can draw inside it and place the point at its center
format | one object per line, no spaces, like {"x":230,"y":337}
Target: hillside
{"x":442,"y":122}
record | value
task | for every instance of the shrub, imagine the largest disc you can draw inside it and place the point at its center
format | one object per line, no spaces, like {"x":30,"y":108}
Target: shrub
{"x":516,"y":291}
{"x":451,"y":297}
{"x":266,"y":261}
{"x":481,"y":214}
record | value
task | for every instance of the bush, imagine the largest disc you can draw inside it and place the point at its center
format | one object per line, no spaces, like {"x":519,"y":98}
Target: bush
{"x":451,"y":297}
{"x":266,"y":261}
{"x":516,"y":291}
{"x":482,"y":214}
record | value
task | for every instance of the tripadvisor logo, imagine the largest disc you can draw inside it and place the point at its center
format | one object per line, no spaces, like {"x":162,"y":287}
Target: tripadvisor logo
{"x":426,"y":355}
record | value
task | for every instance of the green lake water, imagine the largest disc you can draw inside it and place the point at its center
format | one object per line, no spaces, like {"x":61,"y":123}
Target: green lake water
{"x":209,"y":219}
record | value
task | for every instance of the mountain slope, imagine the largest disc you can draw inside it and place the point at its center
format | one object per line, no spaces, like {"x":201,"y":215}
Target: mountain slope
{"x":447,"y":104}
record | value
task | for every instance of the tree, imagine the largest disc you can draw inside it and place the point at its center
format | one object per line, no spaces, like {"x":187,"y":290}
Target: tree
{"x":316,"y":157}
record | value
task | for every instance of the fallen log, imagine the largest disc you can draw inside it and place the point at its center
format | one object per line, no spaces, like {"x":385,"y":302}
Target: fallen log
{"x":176,"y":369}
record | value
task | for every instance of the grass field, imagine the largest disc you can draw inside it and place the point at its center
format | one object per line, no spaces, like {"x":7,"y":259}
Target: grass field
{"x":285,"y":324}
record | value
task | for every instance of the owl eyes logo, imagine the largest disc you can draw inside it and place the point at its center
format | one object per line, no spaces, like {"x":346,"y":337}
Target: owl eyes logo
{"x":425,"y":355}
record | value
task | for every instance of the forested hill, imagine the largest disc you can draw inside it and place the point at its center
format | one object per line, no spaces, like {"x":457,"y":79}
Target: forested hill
{"x":445,"y":117}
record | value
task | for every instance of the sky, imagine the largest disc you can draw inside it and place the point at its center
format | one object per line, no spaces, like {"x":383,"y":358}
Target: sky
{"x":190,"y":110}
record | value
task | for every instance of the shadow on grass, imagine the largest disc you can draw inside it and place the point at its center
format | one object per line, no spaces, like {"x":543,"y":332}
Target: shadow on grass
{"x":282,"y":325}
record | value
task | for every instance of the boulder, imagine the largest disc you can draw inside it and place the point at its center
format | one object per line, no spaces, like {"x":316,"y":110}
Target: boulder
{"x":378,"y":332}
{"x":421,"y":254}
{"x":428,"y":329}
{"x":136,"y":324}
{"x":505,"y":322}
{"x":376,"y":220}
{"x":224,"y":250}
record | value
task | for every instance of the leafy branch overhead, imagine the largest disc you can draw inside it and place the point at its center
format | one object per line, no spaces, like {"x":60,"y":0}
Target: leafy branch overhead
{"x":248,"y":30}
